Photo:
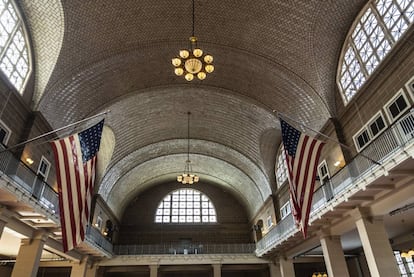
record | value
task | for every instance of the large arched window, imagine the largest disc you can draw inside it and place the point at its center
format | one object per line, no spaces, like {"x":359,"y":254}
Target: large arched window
{"x":14,"y":50}
{"x":185,"y":206}
{"x":281,"y":171}
{"x":381,"y":24}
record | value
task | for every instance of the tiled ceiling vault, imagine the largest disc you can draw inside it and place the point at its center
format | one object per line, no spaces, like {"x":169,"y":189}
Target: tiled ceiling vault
{"x":116,"y":55}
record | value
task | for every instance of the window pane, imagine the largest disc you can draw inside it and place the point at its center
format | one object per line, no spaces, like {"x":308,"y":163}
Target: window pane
{"x":376,"y":31}
{"x":187,"y":206}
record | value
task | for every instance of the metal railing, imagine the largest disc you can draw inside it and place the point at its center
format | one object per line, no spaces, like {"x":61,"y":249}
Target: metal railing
{"x":395,"y":138}
{"x":180,"y":249}
{"x":94,"y":237}
{"x":29,"y":183}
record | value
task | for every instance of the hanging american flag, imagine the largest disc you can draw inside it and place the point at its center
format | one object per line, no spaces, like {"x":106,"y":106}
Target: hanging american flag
{"x":302,"y":155}
{"x":76,"y":158}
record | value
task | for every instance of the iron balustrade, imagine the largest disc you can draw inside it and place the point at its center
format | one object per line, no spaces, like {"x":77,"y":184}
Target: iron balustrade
{"x":95,"y":237}
{"x":28,"y":182}
{"x":180,"y":249}
{"x":382,"y":149}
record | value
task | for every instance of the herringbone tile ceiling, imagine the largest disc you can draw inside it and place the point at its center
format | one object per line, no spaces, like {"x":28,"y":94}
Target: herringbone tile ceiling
{"x":92,"y":56}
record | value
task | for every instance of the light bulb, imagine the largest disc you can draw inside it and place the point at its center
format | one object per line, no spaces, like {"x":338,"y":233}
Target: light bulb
{"x":197,"y":52}
{"x":201,"y":75}
{"x":184,"y":54}
{"x":179,"y":71}
{"x":208,"y":59}
{"x":176,"y":62}
{"x":209,"y":68}
{"x":189,"y":77}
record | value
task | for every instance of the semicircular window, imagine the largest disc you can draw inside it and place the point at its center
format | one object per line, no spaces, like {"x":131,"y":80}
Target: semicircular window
{"x":14,"y":50}
{"x":186,"y":206}
{"x":381,"y":25}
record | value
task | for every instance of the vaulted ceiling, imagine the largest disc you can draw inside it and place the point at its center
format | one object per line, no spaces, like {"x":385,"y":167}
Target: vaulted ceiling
{"x":93,"y":56}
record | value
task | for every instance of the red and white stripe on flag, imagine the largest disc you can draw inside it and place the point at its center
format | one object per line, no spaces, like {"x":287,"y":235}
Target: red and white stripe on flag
{"x":75,"y":188}
{"x":302,"y":173}
{"x":302,"y":156}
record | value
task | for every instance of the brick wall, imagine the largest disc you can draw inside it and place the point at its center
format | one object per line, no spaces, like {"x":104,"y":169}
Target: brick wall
{"x":138,"y":227}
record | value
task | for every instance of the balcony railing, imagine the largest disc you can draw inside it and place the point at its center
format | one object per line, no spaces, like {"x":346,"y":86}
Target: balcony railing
{"x":28,"y":183}
{"x":179,"y":249}
{"x":382,"y":149}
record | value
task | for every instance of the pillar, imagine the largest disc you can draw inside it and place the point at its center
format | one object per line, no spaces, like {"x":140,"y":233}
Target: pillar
{"x":3,"y":223}
{"x":153,"y":270}
{"x":216,"y":270}
{"x":28,"y":258}
{"x":79,"y":269}
{"x":91,"y":271}
{"x":286,"y":267}
{"x":334,"y":256}
{"x":274,"y":270}
{"x":377,"y":249}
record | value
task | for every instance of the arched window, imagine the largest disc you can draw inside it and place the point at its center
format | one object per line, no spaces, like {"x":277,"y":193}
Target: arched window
{"x":381,"y":24}
{"x":14,"y":50}
{"x":185,"y":206}
{"x":281,"y":168}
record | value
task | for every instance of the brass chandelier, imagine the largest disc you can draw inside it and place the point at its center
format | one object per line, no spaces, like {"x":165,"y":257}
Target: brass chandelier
{"x":193,"y":62}
{"x":188,"y":177}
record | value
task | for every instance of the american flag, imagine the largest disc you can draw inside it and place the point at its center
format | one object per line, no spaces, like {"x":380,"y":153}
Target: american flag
{"x":302,"y":155}
{"x":76,"y":158}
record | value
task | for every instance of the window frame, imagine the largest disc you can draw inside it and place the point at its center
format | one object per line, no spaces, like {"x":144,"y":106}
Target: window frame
{"x":7,"y":130}
{"x":175,"y":200}
{"x":367,"y":128}
{"x":369,"y":41}
{"x":281,"y":165}
{"x":20,"y":24}
{"x":399,"y":93}
{"x":285,"y":210}
{"x":409,"y":86}
{"x":44,"y":160}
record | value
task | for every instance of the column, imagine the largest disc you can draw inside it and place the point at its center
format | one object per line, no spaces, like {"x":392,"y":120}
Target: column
{"x":79,"y":269}
{"x":92,"y":271}
{"x":377,"y":249}
{"x":274,"y":270}
{"x":3,"y":223}
{"x":216,"y":270}
{"x":286,"y":267}
{"x":153,"y":270}
{"x":28,"y":258}
{"x":334,"y":256}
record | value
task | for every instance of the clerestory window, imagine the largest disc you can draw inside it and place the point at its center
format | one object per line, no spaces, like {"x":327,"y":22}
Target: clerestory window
{"x":281,"y":171}
{"x":14,"y":49}
{"x":186,"y":206}
{"x":380,"y":26}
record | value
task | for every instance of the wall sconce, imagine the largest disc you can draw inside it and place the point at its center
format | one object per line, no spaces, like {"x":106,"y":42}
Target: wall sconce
{"x":407,"y":254}
{"x":337,"y":163}
{"x":29,"y":161}
{"x":319,"y":274}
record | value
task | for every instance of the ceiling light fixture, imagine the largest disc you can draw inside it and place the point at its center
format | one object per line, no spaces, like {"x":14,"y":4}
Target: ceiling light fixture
{"x":193,"y":62}
{"x":187,"y":177}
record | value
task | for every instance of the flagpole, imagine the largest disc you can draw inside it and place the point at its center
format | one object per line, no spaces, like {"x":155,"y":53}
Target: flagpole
{"x":325,"y":136}
{"x":53,"y":131}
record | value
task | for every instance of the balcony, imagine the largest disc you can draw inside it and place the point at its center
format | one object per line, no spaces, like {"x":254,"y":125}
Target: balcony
{"x":392,"y":147}
{"x":24,"y":190}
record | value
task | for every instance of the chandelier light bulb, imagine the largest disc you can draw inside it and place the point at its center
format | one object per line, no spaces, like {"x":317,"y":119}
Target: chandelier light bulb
{"x":208,"y":58}
{"x":209,"y":68}
{"x":197,"y":52}
{"x":176,"y":62}
{"x":184,"y":54}
{"x":193,"y":65}
{"x":201,"y":75}
{"x":179,"y":71}
{"x":189,"y":77}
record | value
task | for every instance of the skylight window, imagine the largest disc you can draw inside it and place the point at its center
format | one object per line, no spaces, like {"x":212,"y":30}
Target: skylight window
{"x":375,"y":33}
{"x":186,"y":206}
{"x":14,"y":53}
